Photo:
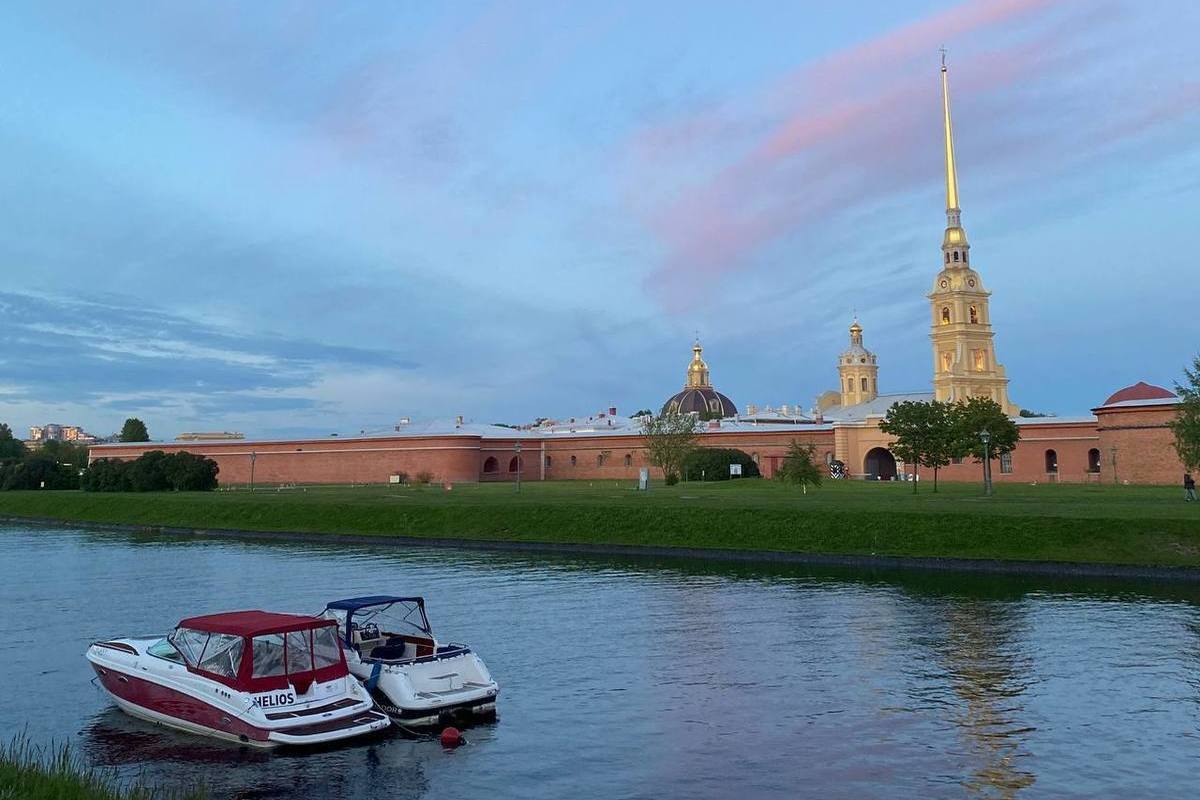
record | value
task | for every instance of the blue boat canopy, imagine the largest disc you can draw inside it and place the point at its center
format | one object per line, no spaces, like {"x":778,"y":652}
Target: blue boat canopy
{"x":355,"y":603}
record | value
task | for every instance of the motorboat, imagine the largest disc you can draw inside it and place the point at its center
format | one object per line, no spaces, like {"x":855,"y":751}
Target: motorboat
{"x":415,"y":679}
{"x":254,"y":677}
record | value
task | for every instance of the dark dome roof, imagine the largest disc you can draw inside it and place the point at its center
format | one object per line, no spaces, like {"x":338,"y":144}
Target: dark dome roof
{"x":702,"y":400}
{"x":1140,"y":391}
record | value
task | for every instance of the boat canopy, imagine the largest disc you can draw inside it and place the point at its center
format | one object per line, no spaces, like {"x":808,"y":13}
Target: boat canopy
{"x":258,"y":651}
{"x":354,"y":612}
{"x":252,"y":623}
{"x":355,"y":603}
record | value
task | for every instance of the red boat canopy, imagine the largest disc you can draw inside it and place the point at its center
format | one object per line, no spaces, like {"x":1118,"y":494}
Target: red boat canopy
{"x":259,"y":651}
{"x":253,"y":623}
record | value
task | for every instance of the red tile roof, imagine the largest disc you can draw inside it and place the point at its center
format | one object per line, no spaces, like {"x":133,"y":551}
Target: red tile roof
{"x":1140,"y":391}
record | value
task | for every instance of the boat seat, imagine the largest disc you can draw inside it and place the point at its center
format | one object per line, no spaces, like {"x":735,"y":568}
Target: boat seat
{"x":387,"y":652}
{"x":395,"y":641}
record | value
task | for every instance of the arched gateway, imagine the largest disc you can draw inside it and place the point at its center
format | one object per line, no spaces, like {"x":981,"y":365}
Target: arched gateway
{"x":879,"y":464}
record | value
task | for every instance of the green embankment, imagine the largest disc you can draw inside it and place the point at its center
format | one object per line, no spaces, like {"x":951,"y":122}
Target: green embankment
{"x":1095,"y":523}
{"x":33,"y":773}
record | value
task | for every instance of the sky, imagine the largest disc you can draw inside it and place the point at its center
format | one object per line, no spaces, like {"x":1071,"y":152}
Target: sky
{"x":299,"y":218}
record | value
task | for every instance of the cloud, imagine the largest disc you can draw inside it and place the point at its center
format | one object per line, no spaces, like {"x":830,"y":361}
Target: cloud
{"x":862,"y":125}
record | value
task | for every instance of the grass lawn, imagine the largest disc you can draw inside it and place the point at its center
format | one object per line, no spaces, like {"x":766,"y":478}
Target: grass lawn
{"x":1099,"y":524}
{"x":32,"y":773}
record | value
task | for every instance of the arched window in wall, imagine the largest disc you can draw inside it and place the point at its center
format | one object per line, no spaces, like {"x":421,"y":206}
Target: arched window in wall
{"x":549,"y":462}
{"x":490,"y":464}
{"x":945,"y":315}
{"x":1051,"y":462}
{"x":1094,"y":460}
{"x":514,"y":464}
{"x":1006,"y":463}
{"x":974,"y":315}
{"x":573,"y":461}
{"x":628,"y":460}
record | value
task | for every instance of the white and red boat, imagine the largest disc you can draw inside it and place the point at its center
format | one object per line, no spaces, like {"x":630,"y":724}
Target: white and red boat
{"x":253,"y":677}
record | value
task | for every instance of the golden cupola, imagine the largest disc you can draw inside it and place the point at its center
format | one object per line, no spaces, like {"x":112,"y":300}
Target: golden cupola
{"x":698,"y":395}
{"x":697,"y":371}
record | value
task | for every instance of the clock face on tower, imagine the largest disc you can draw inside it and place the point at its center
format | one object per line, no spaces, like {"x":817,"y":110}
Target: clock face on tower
{"x":944,"y":283}
{"x":971,"y":283}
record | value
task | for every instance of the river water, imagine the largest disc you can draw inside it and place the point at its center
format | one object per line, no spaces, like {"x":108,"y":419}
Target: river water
{"x":648,"y":678}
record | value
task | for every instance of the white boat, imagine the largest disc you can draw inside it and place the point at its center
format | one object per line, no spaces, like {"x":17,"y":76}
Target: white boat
{"x":253,"y":677}
{"x":417,"y":680}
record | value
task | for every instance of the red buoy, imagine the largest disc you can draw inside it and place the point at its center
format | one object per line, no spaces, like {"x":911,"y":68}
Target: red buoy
{"x":451,"y":737}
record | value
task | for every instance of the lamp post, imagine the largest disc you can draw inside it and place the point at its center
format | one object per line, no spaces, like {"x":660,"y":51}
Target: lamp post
{"x":1114,"y":463}
{"x":986,"y":438}
{"x":517,"y":450}
{"x":253,"y":456}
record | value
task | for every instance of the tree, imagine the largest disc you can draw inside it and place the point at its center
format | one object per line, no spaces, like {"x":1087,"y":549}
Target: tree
{"x":68,"y":453}
{"x":799,"y":467}
{"x":188,"y":472}
{"x":669,"y":438}
{"x":941,"y":444}
{"x":1186,"y":425}
{"x":39,"y":472}
{"x":975,"y":415}
{"x":909,"y":424}
{"x":134,"y":430}
{"x":11,"y":448}
{"x":712,"y":464}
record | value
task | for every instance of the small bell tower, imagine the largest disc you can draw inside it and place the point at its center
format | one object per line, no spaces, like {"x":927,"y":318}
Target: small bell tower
{"x":858,"y":374}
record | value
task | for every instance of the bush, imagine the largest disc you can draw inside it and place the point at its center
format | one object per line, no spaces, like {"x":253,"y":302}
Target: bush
{"x":154,"y":471}
{"x":38,"y":472}
{"x":713,"y":464}
{"x":106,"y":475}
{"x":671,"y":479}
{"x":425,"y":477}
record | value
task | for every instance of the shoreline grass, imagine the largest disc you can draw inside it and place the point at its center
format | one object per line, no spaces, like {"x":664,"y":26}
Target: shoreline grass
{"x":55,"y":772}
{"x":1144,"y":526}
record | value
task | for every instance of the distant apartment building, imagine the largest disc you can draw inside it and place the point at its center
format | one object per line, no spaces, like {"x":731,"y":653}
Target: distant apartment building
{"x":54,"y":432}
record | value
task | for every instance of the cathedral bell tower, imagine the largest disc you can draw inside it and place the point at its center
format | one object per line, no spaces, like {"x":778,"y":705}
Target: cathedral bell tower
{"x":964,"y":356}
{"x":858,"y":374}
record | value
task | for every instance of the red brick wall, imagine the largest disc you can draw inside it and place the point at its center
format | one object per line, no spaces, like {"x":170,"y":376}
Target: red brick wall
{"x":1145,"y":445}
{"x":449,"y":458}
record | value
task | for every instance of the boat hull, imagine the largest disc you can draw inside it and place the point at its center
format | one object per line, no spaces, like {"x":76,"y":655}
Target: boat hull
{"x":145,"y":698}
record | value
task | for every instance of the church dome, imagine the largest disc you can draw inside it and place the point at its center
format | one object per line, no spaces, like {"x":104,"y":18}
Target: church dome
{"x":702,"y":400}
{"x":698,"y":396}
{"x":1140,"y":391}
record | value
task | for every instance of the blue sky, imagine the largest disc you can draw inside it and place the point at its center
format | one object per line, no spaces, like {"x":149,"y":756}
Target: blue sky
{"x":307,"y":217}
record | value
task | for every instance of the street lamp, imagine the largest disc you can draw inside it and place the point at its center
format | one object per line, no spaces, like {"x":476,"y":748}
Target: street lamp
{"x":986,"y":438}
{"x":1114,"y":463}
{"x":253,"y":456}
{"x":517,"y":450}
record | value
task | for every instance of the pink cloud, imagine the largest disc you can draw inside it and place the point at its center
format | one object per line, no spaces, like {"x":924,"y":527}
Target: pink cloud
{"x":826,"y":137}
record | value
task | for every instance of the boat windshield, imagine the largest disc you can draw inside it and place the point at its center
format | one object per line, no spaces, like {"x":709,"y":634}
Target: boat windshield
{"x":215,"y":653}
{"x":164,"y":649}
{"x":399,"y":617}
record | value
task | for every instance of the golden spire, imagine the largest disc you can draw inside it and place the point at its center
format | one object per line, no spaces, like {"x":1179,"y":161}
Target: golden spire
{"x":955,"y":242}
{"x":951,"y":171}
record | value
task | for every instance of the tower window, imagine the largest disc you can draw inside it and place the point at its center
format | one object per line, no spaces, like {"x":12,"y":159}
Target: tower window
{"x":956,"y":255}
{"x":862,"y":361}
{"x":864,"y":384}
{"x":974,"y":315}
{"x":947,"y":361}
{"x":947,"y":258}
{"x":945,"y":315}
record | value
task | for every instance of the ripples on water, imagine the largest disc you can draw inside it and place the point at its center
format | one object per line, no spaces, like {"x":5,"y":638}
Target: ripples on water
{"x":642,"y":678}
